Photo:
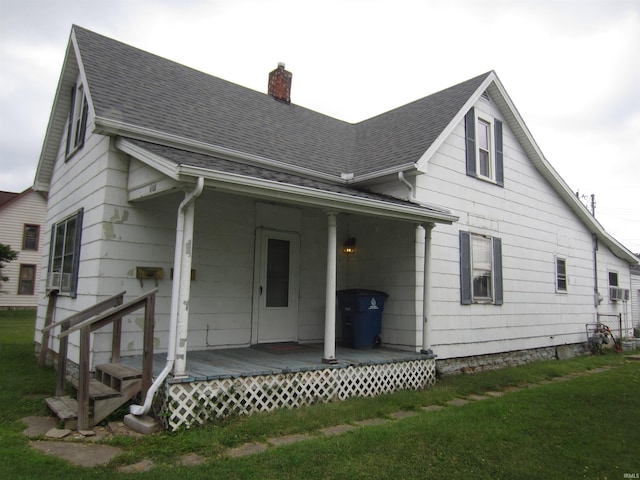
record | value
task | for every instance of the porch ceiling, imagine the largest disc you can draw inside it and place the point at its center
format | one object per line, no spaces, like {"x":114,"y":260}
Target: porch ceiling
{"x":251,"y":180}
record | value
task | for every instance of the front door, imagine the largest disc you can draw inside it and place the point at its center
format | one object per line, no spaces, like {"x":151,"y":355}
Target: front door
{"x":276,"y":289}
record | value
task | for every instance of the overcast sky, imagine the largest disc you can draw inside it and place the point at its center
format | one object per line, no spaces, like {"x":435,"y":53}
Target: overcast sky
{"x":571,"y":67}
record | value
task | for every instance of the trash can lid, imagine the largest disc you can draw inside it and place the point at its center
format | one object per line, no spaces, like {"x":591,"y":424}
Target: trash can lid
{"x":362,"y":292}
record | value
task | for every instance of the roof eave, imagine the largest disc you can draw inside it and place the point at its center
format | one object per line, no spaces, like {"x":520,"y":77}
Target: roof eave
{"x":522,"y":133}
{"x":57,"y":117}
{"x":112,"y":127}
{"x":272,"y":190}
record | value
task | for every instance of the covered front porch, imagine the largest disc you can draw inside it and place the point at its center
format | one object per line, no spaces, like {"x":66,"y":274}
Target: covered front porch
{"x":258,"y":260}
{"x":242,"y":381}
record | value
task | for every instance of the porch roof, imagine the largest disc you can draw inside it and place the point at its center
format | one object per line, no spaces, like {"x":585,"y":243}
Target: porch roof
{"x":253,"y":180}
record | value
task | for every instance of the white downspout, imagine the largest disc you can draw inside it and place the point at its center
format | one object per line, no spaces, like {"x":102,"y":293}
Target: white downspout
{"x":175,"y":294}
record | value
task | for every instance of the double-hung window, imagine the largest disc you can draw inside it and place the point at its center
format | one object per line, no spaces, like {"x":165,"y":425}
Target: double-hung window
{"x":483,"y":137}
{"x":77,"y":123}
{"x":26,"y":285}
{"x":30,"y":237}
{"x":561,"y":275}
{"x":64,"y":254}
{"x":480,"y":269}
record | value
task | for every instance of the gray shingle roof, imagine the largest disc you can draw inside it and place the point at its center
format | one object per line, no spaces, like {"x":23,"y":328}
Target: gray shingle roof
{"x":212,"y":163}
{"x":138,"y":88}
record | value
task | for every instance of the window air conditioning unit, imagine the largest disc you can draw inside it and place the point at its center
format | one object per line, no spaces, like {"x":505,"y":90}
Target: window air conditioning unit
{"x":625,"y":294}
{"x":66,"y":281}
{"x":54,"y":280}
{"x":615,"y":293}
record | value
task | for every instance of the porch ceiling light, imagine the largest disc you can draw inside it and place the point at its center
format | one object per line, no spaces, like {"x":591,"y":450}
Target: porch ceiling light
{"x":349,"y":246}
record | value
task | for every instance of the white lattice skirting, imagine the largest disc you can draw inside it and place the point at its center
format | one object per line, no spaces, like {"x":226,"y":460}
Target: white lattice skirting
{"x":186,"y":404}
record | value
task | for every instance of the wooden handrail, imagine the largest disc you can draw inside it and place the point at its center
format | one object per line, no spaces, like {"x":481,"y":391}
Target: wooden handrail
{"x":92,"y":319}
{"x":89,"y":312}
{"x":105,"y":318}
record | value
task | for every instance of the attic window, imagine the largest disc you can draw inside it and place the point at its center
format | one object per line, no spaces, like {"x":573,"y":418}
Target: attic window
{"x":483,"y":138}
{"x":77,"y":123}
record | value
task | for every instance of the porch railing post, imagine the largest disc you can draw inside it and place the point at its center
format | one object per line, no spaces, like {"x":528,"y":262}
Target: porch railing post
{"x":116,"y":336}
{"x":62,"y":360}
{"x":147,"y":355}
{"x":83,"y":379}
{"x":426,"y":294}
{"x":44,"y":346}
{"x":330,"y":301}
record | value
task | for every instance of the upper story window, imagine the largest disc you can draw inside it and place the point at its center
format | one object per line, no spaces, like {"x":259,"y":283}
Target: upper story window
{"x":484,"y":156}
{"x":561,"y":275}
{"x":480,"y":269}
{"x":613,"y":279}
{"x":77,"y":123}
{"x":31,"y":237}
{"x":64,"y":254}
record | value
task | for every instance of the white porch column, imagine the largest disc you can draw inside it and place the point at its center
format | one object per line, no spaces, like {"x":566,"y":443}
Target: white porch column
{"x":330,"y":301}
{"x":426,"y":295}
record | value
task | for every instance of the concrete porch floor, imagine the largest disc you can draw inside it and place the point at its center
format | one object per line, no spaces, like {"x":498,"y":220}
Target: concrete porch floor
{"x":269,"y":359}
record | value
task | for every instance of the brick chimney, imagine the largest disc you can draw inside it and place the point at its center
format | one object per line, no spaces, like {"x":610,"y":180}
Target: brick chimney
{"x":280,"y":84}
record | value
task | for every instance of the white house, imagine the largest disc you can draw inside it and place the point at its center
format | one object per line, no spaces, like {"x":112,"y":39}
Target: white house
{"x":238,"y":206}
{"x":22,"y":218}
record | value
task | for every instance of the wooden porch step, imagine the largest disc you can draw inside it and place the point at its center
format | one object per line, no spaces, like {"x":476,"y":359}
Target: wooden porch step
{"x":118,"y":370}
{"x":97,"y":389}
{"x":117,"y":376}
{"x":65,"y":407}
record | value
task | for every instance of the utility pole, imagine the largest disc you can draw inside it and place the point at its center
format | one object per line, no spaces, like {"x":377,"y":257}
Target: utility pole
{"x":590,"y":202}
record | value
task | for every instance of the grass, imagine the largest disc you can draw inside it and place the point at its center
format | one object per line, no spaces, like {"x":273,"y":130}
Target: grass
{"x":586,"y":427}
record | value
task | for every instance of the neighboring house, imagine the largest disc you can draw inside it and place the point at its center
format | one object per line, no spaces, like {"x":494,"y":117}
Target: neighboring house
{"x":482,"y":247}
{"x":635,"y":299}
{"x":22,"y":220}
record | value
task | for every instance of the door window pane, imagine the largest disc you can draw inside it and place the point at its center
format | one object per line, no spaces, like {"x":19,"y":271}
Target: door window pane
{"x":277,"y":273}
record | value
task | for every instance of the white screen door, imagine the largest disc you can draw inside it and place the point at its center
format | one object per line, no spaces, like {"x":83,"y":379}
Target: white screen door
{"x":277,"y":286}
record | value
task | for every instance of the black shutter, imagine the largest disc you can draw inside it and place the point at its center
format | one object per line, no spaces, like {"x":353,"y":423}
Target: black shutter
{"x":83,"y":122}
{"x":499,"y":160}
{"x":465,"y":269}
{"x":470,"y":140}
{"x":497,"y":271}
{"x":52,"y":243}
{"x":70,"y":122}
{"x":76,"y":254}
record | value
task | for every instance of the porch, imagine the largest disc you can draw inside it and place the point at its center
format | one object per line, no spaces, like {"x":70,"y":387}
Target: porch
{"x":242,"y":381}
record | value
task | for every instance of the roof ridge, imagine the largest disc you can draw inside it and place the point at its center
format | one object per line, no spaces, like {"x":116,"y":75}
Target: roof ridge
{"x":135,"y":87}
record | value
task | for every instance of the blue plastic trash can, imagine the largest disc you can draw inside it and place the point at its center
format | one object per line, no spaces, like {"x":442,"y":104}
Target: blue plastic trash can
{"x":361,"y":314}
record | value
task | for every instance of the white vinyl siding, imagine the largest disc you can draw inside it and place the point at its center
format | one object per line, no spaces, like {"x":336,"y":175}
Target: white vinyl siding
{"x":535,"y":226}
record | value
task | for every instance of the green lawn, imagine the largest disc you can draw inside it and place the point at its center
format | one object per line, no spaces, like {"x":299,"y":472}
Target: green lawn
{"x":586,"y":427}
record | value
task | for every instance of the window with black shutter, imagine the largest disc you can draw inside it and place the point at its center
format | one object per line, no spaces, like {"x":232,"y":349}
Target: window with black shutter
{"x":480,"y":269}
{"x":484,"y":149}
